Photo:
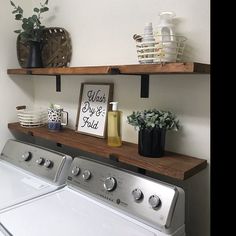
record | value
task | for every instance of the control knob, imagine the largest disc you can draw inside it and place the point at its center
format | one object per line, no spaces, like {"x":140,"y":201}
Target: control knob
{"x":26,"y":156}
{"x":109,"y":184}
{"x":86,"y":175}
{"x":137,"y":194}
{"x":75,"y":170}
{"x":40,"y":161}
{"x":48,"y":163}
{"x":154,"y":201}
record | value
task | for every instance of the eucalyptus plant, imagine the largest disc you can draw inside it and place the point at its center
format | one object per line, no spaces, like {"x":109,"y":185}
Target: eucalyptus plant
{"x":153,"y":118}
{"x":32,"y":28}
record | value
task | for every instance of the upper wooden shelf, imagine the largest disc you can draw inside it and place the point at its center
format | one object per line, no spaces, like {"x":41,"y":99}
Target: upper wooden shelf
{"x":173,"y":165}
{"x":139,"y":69}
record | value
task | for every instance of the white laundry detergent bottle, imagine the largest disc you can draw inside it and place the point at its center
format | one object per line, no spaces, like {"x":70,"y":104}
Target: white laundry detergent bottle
{"x":165,"y":35}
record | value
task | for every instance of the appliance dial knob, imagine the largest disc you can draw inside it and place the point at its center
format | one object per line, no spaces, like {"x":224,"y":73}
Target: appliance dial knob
{"x":154,"y":201}
{"x":109,"y":184}
{"x":48,"y":163}
{"x":86,"y":175}
{"x":137,"y":194}
{"x":26,"y":156}
{"x":75,"y":170}
{"x":40,"y":161}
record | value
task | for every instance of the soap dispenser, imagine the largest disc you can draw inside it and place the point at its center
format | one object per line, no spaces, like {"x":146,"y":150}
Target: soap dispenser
{"x":114,"y":126}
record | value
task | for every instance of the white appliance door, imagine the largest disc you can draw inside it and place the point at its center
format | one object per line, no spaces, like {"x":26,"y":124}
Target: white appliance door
{"x":67,"y":212}
{"x":17,"y":186}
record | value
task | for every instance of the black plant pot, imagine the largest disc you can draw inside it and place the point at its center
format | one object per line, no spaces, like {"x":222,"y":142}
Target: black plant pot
{"x":151,"y":143}
{"x":34,"y":59}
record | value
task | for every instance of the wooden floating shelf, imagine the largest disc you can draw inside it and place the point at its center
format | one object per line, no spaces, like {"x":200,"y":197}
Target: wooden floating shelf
{"x":144,"y":70}
{"x":93,"y":70}
{"x":173,"y":165}
{"x":139,"y":69}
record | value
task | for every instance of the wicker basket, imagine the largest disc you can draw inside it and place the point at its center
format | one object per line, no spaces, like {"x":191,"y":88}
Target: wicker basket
{"x":164,"y":49}
{"x":56,"y":50}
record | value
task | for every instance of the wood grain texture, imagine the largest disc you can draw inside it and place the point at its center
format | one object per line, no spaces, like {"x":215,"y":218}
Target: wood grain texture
{"x":88,"y":70}
{"x":167,"y":68}
{"x":157,"y":68}
{"x":174,"y":165}
{"x":57,"y":48}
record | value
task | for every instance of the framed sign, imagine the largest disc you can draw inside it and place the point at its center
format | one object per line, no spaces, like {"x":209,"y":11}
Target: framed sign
{"x":93,"y":108}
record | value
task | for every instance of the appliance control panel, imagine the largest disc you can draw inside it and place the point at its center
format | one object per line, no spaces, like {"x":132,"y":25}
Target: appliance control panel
{"x":39,"y":161}
{"x":141,"y":197}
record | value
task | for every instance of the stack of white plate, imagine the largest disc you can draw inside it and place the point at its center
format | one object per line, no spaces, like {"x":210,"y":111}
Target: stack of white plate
{"x":32,"y":118}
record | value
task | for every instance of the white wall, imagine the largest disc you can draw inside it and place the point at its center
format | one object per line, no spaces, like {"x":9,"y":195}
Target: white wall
{"x":101,"y":33}
{"x":14,"y":90}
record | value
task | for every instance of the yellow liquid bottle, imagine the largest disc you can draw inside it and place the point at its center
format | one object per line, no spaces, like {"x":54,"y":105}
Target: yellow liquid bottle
{"x":114,"y":127}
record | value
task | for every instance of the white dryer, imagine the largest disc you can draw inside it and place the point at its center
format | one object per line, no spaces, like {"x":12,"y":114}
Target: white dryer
{"x":100,"y":200}
{"x":28,"y":171}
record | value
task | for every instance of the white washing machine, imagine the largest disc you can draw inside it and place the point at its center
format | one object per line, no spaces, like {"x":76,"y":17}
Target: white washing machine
{"x":100,"y":200}
{"x":28,"y":171}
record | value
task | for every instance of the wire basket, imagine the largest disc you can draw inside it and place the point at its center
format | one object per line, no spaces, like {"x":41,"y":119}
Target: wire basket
{"x":165,"y":48}
{"x":32,"y":118}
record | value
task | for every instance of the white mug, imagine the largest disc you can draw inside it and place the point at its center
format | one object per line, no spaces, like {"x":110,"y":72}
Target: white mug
{"x":57,"y":118}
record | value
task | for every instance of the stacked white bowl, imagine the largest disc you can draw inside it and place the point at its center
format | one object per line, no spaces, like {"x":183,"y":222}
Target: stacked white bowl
{"x":32,"y":117}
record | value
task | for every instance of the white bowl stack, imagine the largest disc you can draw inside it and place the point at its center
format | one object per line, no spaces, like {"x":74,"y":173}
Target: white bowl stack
{"x":32,"y":118}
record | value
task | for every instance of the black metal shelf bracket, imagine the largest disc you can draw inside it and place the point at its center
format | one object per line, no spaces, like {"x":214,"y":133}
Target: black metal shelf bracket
{"x":58,"y":83}
{"x":141,"y":171}
{"x":113,"y":157}
{"x":144,"y":86}
{"x":114,"y":71}
{"x":144,"y":92}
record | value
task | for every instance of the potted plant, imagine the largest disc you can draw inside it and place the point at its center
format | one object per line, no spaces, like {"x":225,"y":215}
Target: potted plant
{"x":31,"y":32}
{"x":152,"y":125}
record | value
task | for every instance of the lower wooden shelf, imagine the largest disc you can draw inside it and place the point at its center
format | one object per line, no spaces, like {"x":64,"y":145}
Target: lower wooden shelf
{"x":173,"y":165}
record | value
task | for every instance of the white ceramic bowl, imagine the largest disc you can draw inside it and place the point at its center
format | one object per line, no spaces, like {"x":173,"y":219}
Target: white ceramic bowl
{"x":32,"y":118}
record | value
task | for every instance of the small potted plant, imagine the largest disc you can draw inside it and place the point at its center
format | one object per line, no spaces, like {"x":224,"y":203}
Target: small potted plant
{"x":152,"y":125}
{"x":31,"y":32}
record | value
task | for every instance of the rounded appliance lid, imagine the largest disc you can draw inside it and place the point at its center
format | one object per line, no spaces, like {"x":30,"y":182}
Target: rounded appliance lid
{"x":67,"y":212}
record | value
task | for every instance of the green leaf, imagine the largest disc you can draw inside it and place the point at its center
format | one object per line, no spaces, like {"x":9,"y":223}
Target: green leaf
{"x":36,"y":9}
{"x":12,"y":3}
{"x":15,"y":11}
{"x":32,"y":20}
{"x":46,"y":3}
{"x":20,"y":10}
{"x":44,"y":9}
{"x":17,"y":31}
{"x":153,"y":118}
{"x":25,"y":36}
{"x":34,"y":17}
{"x":27,"y":26}
{"x":18,"y":16}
